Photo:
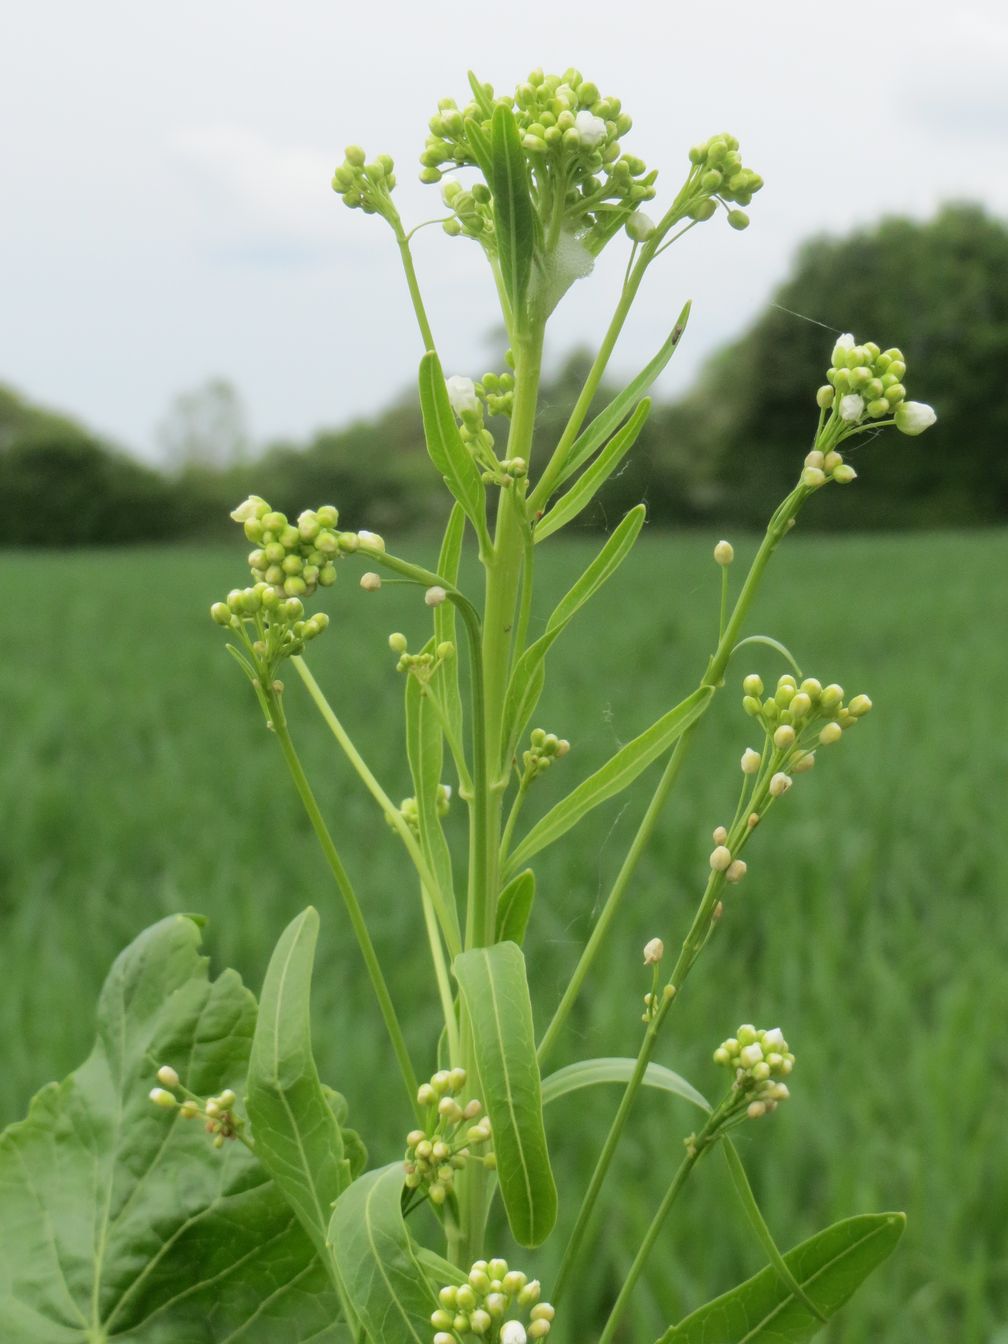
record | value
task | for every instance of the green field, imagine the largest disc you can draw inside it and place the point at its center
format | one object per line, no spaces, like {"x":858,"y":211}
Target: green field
{"x":137,"y":780}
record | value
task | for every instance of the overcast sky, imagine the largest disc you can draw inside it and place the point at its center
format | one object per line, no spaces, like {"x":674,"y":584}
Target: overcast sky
{"x":166,"y":215}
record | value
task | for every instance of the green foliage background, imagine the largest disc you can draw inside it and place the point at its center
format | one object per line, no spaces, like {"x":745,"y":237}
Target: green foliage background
{"x":138,"y":780}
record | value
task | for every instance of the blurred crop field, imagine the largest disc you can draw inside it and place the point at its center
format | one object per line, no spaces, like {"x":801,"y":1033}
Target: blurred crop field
{"x":137,"y":779}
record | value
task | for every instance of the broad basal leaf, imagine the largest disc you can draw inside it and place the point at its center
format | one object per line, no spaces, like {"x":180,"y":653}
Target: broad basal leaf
{"x":120,"y":1220}
{"x":495,"y":991}
{"x":829,"y":1267}
{"x":382,"y":1276}
{"x":297,"y":1136}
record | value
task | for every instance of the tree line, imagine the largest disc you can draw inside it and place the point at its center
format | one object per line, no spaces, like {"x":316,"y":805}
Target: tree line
{"x":726,"y":451}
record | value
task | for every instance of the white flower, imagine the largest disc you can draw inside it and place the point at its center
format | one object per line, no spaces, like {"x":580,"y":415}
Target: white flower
{"x":653,"y":951}
{"x":590,"y":128}
{"x":851,"y":406}
{"x":774,"y":1037}
{"x":914,"y":417}
{"x":513,"y":1332}
{"x":461,"y":393}
{"x":248,"y":508}
{"x":640,"y":226}
{"x":750,"y":761}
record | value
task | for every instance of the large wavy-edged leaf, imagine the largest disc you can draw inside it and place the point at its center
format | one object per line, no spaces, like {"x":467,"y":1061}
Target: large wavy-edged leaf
{"x":495,"y":993}
{"x":618,"y":409}
{"x":514,"y":906}
{"x":617,"y":773}
{"x":514,"y":215}
{"x":447,"y":451}
{"x":526,"y":684}
{"x":297,"y":1136}
{"x":120,"y":1220}
{"x":617,"y":1069}
{"x":829,"y":1266}
{"x":587,"y":486}
{"x":383,"y":1279}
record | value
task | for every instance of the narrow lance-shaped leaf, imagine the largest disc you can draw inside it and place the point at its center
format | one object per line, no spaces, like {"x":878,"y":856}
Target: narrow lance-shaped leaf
{"x":614,"y":414}
{"x":483,"y":99}
{"x":514,"y":215}
{"x":527,"y":679}
{"x":617,"y":1069}
{"x":297,"y":1137}
{"x":121,"y":1221}
{"x":496,"y":996}
{"x":446,"y":448}
{"x":617,"y":774}
{"x":829,"y":1266}
{"x":514,"y":906}
{"x":480,"y":147}
{"x":383,"y":1279}
{"x":425,"y":751}
{"x":587,"y":486}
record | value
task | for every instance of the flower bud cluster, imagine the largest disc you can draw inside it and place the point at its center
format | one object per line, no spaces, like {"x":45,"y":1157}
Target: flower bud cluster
{"x":410,"y":812}
{"x":493,"y":1298}
{"x":760,"y":1060}
{"x":288,"y":563}
{"x":718,"y":177}
{"x":435,"y":1153}
{"x":863,"y":385}
{"x":571,"y":136}
{"x":472,"y":210}
{"x":544,"y":749}
{"x":421,"y":665}
{"x":217,"y":1112}
{"x":797,"y":718}
{"x":366,"y":186}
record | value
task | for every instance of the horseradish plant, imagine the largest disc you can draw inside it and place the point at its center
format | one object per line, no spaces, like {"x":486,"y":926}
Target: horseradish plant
{"x":239,"y":1206}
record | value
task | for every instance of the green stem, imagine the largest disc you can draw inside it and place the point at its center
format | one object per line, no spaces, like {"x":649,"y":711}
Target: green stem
{"x":694,"y":1152}
{"x":350,"y":901}
{"x":441,"y":975}
{"x":447,"y":915}
{"x":778,"y":527}
{"x":613,"y":901}
{"x":413,"y":285}
{"x":608,"y":1148}
{"x":516,"y":807}
{"x":454,"y":745}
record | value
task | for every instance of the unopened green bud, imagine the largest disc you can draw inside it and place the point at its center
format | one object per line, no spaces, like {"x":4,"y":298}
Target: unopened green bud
{"x":397,"y":642}
{"x":738,"y":219}
{"x":824,"y":397}
{"x":724,"y":553}
{"x":859,"y":706}
{"x":160,"y":1097}
{"x":221,"y":613}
